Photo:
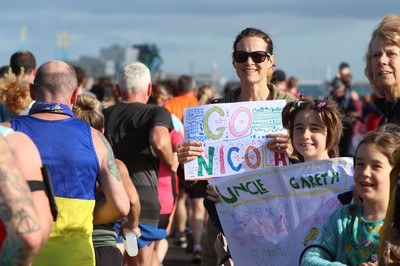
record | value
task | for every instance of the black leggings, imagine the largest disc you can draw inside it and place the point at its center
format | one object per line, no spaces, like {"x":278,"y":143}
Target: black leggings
{"x":108,"y":256}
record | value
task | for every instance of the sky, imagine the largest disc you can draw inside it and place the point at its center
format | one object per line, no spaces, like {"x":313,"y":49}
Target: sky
{"x":311,"y":37}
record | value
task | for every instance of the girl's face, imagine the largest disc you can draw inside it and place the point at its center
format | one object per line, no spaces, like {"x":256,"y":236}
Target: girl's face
{"x":250,"y":72}
{"x":385,"y":65}
{"x":309,"y":135}
{"x":372,"y":174}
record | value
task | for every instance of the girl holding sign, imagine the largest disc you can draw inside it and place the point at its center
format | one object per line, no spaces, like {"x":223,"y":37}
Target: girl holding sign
{"x":351,"y":235}
{"x":314,"y":127}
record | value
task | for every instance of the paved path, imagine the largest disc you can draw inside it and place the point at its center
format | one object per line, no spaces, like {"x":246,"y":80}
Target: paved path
{"x":177,"y":256}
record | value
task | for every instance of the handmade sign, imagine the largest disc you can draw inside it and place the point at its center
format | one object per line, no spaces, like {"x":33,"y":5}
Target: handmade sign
{"x":234,"y":137}
{"x":270,"y":215}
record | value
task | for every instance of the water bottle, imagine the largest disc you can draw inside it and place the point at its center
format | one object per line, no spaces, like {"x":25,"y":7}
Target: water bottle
{"x":130,"y":243}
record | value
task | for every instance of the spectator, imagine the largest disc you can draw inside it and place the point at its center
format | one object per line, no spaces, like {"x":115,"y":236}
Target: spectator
{"x":382,"y":70}
{"x":382,"y":67}
{"x":279,"y":79}
{"x":344,"y":74}
{"x":351,"y":106}
{"x":293,"y":84}
{"x":252,"y":49}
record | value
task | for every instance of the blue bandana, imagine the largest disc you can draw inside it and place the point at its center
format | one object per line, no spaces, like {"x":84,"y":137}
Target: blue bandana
{"x":50,"y":107}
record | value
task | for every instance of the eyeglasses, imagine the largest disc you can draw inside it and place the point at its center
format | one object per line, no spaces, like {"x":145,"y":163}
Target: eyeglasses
{"x":257,"y":57}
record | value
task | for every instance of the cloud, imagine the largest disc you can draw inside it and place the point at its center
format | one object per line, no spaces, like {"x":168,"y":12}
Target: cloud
{"x":309,"y":35}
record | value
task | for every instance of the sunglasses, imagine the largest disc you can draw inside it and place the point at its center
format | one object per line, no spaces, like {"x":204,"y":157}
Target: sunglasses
{"x":257,"y":57}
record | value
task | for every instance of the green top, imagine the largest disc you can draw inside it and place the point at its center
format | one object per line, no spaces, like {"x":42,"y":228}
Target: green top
{"x":348,"y":238}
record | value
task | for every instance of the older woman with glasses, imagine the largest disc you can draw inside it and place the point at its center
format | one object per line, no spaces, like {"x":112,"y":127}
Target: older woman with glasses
{"x":252,"y":57}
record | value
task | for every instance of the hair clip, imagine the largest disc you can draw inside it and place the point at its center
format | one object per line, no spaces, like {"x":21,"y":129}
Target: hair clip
{"x":320,"y":105}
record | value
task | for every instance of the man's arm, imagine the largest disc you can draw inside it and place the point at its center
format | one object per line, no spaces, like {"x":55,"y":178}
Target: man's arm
{"x":161,"y":143}
{"x":29,"y":163}
{"x":24,"y":236}
{"x":116,"y":203}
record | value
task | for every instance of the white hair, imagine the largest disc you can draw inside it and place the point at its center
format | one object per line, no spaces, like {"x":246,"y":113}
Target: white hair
{"x":134,"y":77}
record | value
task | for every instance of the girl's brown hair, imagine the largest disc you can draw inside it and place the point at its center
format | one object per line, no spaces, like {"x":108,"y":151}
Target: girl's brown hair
{"x":330,"y":115}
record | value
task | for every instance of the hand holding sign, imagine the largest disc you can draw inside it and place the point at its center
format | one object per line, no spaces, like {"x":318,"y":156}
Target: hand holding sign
{"x":280,"y":143}
{"x":189,"y":151}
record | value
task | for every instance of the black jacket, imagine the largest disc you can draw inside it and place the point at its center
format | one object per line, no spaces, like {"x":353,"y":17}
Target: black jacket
{"x":390,"y":111}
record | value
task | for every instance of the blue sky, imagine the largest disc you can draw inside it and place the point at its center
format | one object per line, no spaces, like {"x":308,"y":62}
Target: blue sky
{"x":311,"y":37}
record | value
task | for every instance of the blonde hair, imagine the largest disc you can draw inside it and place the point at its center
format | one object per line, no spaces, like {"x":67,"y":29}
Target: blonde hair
{"x":205,"y":94}
{"x":159,"y":93}
{"x":88,"y":109}
{"x":14,"y":92}
{"x":389,"y":30}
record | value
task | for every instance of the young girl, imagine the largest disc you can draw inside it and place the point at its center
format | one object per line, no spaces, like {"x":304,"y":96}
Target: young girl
{"x":351,"y":234}
{"x":390,"y":233}
{"x":314,"y":127}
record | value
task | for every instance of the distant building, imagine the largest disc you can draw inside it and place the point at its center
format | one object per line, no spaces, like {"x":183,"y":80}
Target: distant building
{"x":110,"y":60}
{"x":113,"y":57}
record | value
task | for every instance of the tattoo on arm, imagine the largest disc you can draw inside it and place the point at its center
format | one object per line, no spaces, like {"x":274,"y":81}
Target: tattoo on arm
{"x":16,"y":210}
{"x":112,"y":167}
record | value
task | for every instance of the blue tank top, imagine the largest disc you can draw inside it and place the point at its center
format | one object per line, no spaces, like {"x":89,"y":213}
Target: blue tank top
{"x":66,"y":147}
{"x":73,"y":173}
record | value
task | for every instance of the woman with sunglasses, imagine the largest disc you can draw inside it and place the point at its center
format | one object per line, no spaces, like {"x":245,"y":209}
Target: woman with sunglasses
{"x":252,"y":58}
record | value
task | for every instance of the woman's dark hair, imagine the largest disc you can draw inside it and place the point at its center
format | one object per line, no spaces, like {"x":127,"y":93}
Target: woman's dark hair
{"x":253,"y":32}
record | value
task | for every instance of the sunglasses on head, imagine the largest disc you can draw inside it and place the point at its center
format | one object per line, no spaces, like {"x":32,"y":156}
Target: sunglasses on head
{"x":257,"y":57}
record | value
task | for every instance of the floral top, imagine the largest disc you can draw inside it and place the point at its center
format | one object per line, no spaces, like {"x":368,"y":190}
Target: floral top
{"x":346,"y":239}
{"x":364,"y":240}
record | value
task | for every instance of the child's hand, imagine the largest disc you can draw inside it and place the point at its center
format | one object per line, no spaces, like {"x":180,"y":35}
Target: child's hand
{"x":212,"y":194}
{"x":280,"y":143}
{"x":188,"y":151}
